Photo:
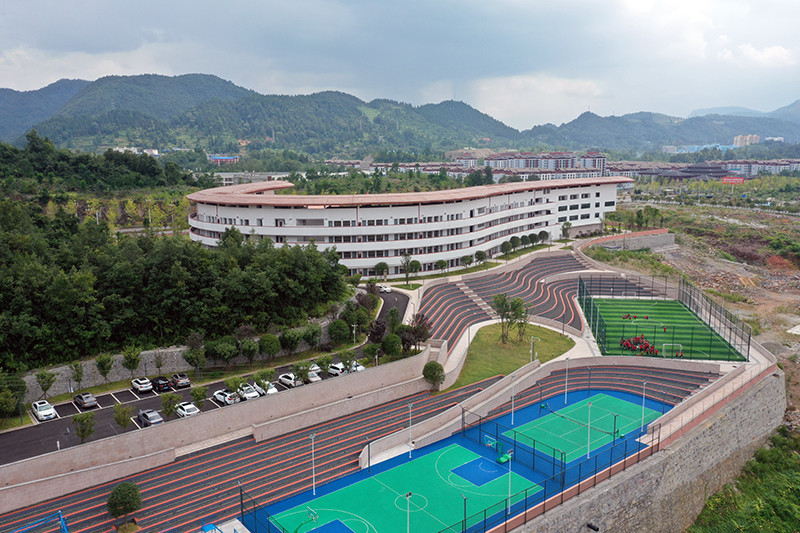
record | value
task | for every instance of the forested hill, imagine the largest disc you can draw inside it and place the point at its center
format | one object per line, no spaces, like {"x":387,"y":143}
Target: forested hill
{"x":651,"y":131}
{"x":20,"y":110}
{"x":199,"y":110}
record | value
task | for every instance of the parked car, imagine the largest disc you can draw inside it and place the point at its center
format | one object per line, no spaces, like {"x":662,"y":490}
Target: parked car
{"x":289,"y":380}
{"x":384,"y":288}
{"x":356,"y":367}
{"x":337,"y":369}
{"x":161,"y":384}
{"x":180,"y":380}
{"x":85,"y":400}
{"x":315,"y":368}
{"x":313,"y":377}
{"x":141,"y":385}
{"x":247,"y":392}
{"x":42,"y":410}
{"x":271,"y":389}
{"x":226,"y":397}
{"x":187,"y":409}
{"x":149,"y":417}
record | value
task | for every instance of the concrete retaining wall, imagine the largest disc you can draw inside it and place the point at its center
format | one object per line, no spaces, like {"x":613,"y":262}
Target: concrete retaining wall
{"x":90,"y":464}
{"x":665,"y":492}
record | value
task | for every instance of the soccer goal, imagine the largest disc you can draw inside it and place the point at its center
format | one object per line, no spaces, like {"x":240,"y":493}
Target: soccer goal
{"x":669,"y":350}
{"x":629,"y":294}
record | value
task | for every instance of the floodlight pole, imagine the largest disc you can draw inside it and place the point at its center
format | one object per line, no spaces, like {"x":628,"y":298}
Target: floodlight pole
{"x":510,"y":456}
{"x":354,"y":333}
{"x":589,"y":431}
{"x":464,"y":526}
{"x":644,"y":388}
{"x":533,"y":346}
{"x":410,"y":435}
{"x":513,"y":376}
{"x":313,"y":468}
{"x":408,"y":512}
{"x":369,"y":456}
{"x":566,"y":380}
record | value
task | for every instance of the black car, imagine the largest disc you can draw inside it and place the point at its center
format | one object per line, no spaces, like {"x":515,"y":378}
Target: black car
{"x":160,"y":384}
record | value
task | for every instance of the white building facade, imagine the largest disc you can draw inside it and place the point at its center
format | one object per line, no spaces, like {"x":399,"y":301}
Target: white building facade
{"x":429,"y":226}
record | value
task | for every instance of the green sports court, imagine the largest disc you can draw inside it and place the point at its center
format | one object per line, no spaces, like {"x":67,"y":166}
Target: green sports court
{"x":668,"y":325}
{"x":435,"y":484}
{"x":582,"y":427}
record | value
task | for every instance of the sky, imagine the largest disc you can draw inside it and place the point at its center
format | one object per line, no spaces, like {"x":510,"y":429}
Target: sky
{"x":524,"y":62}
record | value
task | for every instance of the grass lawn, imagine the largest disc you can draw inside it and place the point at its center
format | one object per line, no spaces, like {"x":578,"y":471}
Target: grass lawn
{"x":489,"y":357}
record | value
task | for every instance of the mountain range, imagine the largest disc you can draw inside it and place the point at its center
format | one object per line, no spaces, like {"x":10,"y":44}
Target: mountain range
{"x":154,"y":111}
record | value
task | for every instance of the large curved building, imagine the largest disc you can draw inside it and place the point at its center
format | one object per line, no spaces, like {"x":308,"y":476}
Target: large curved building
{"x":430,"y":226}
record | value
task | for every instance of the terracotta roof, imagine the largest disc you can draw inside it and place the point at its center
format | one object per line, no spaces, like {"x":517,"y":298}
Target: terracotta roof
{"x":264,"y":193}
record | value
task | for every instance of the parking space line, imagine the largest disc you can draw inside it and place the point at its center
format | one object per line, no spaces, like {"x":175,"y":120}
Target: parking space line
{"x":134,"y":395}
{"x":133,"y":419}
{"x":115,"y":398}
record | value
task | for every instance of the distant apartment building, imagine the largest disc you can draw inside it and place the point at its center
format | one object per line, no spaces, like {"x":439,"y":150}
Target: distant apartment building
{"x":545,"y":160}
{"x":467,"y":160}
{"x":220,"y":160}
{"x":746,"y":140}
{"x":754,"y":167}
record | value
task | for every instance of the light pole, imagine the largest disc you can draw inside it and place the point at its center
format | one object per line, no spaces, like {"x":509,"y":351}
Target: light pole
{"x":313,"y":467}
{"x":644,"y":389}
{"x":533,"y":345}
{"x":408,"y":512}
{"x":589,"y":431}
{"x":464,"y":526}
{"x":566,"y":380}
{"x":513,"y":376}
{"x":510,"y":456}
{"x":369,"y":456}
{"x":410,"y":436}
{"x":354,"y":333}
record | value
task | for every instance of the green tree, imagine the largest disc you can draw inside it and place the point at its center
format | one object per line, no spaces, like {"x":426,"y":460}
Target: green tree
{"x":290,"y":340}
{"x":391,"y":345}
{"x":104,"y":363}
{"x":414,"y":266}
{"x":8,"y":403}
{"x":263,"y":377}
{"x":515,"y":242}
{"x":441,"y":264}
{"x":84,"y":425}
{"x":506,"y":247}
{"x":301,"y":370}
{"x":311,"y":335}
{"x":533,"y":238}
{"x":480,"y":257}
{"x":347,"y":358}
{"x":45,"y":379}
{"x":199,"y":396}
{"x":544,"y":236}
{"x":565,"y":227}
{"x":131,"y":357}
{"x":502,"y":306}
{"x":324,"y":363}
{"x":269,"y":345}
{"x":195,"y":357}
{"x":371,"y":351}
{"x":249,"y":349}
{"x":233,"y":383}
{"x":433,"y":372}
{"x":519,"y":316}
{"x":466,"y":261}
{"x":169,"y":403}
{"x":122,"y":415}
{"x":76,"y":368}
{"x":158,"y":360}
{"x":381,"y":269}
{"x":124,"y":500}
{"x":393,"y":320}
{"x":405,"y":264}
{"x":338,"y":331}
{"x":526,"y":241}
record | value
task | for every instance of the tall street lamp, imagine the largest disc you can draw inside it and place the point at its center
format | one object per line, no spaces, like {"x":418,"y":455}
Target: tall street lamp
{"x":410,"y":435}
{"x":313,"y":467}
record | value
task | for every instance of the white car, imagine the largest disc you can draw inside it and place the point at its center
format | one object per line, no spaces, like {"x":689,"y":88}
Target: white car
{"x":271,"y":389}
{"x":42,"y":410}
{"x":187,"y":409}
{"x":226,"y":397}
{"x":289,"y":380}
{"x":384,"y":288}
{"x":141,"y":385}
{"x":247,"y":392}
{"x":315,"y":368}
{"x":313,"y":377}
{"x":337,"y":369}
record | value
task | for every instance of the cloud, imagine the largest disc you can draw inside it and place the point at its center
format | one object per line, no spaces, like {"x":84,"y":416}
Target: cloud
{"x":770,"y":56}
{"x":526,"y":100}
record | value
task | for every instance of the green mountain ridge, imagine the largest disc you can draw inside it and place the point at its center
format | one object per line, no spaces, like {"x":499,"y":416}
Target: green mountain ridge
{"x":20,"y":110}
{"x":192,"y":110}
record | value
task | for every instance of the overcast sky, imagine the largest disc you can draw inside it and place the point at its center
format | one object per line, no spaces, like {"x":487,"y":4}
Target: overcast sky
{"x":524,"y":62}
